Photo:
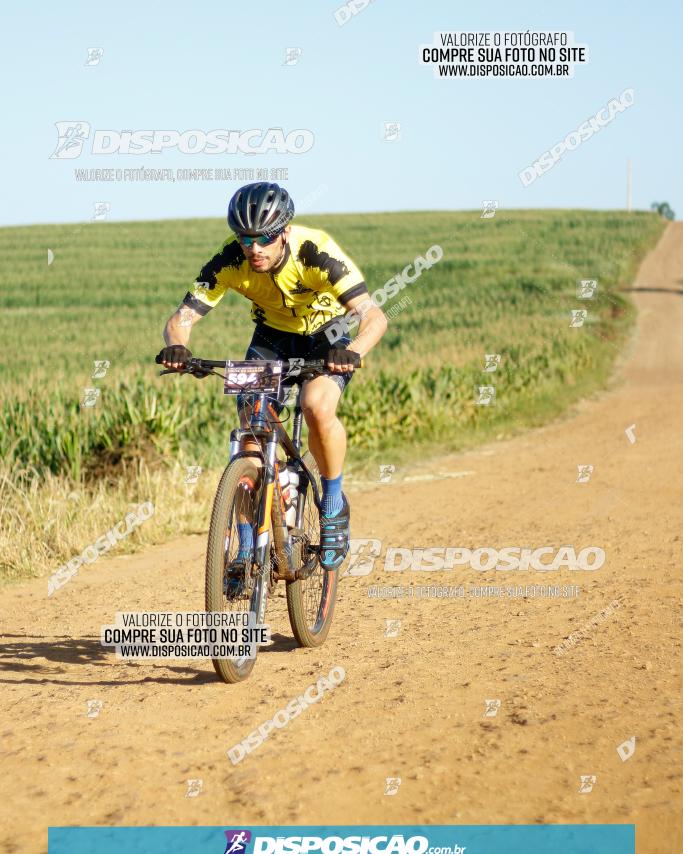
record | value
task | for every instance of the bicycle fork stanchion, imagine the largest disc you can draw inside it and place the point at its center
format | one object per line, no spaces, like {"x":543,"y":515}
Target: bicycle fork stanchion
{"x":234,"y":444}
{"x":258,"y":423}
{"x":296,"y":441}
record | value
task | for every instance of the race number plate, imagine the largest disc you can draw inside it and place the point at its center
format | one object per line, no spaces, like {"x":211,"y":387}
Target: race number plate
{"x":252,"y":377}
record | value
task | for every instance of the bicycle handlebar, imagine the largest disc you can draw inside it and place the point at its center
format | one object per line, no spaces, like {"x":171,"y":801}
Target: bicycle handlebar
{"x":308,"y":367}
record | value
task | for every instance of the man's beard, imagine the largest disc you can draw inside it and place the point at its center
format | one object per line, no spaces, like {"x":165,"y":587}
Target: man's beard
{"x":273,"y":264}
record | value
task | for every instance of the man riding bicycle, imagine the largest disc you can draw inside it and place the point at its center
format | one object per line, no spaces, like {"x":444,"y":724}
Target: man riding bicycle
{"x":300,"y":283}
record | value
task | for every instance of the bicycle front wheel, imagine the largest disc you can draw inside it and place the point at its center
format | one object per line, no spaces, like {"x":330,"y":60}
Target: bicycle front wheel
{"x":230,"y":586}
{"x":310,"y":600}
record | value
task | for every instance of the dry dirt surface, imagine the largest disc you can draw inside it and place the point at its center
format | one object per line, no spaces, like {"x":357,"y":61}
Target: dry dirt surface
{"x":412,"y":705}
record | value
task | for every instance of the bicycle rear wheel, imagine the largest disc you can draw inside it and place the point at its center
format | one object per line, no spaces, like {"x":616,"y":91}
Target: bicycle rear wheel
{"x":310,"y":601}
{"x":228,"y":588}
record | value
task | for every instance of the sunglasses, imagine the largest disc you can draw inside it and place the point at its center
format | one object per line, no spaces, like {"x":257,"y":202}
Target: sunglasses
{"x":261,"y":240}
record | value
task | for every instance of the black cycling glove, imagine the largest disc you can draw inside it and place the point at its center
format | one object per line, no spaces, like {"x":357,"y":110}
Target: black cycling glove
{"x":174,"y":356}
{"x":178,"y":354}
{"x":343,"y":358}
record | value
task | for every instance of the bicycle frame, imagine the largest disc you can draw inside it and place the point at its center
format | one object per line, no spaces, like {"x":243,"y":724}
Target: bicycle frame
{"x":266,"y":428}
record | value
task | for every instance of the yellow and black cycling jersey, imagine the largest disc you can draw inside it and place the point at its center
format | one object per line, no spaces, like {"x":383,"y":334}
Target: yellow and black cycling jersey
{"x":304,"y":292}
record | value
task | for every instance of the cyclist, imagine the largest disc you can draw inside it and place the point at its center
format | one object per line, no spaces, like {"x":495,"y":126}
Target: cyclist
{"x":300,"y":284}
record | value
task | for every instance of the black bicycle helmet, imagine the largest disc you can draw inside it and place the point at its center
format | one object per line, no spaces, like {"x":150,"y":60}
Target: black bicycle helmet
{"x":260,"y":208}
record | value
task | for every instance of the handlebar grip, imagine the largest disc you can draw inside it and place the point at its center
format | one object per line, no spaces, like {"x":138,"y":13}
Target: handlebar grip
{"x":362,"y":363}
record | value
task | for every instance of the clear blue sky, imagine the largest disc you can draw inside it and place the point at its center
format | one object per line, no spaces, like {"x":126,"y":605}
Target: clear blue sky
{"x":214,"y":65}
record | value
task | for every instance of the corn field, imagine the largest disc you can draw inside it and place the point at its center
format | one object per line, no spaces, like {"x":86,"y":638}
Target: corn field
{"x":505,"y":286}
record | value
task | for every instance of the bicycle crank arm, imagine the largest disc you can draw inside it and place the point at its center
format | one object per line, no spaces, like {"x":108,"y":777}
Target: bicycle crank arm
{"x":311,"y":564}
{"x":308,"y":568}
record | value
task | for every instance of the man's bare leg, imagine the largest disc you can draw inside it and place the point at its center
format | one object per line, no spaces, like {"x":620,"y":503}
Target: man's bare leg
{"x":326,"y":434}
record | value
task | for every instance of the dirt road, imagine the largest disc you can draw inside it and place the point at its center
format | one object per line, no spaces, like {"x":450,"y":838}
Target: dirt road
{"x":412,"y":705}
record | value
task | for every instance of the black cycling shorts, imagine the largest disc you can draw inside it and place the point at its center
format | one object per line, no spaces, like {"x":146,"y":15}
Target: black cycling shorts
{"x":269,"y":343}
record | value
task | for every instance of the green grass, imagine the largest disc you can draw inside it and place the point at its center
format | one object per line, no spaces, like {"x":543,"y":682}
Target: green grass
{"x":505,"y":285}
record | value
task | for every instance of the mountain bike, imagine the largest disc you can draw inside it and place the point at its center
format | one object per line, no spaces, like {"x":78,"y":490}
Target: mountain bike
{"x":258,"y":490}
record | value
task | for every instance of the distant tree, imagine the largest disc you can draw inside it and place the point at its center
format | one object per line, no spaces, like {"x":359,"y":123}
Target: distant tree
{"x":663,"y":209}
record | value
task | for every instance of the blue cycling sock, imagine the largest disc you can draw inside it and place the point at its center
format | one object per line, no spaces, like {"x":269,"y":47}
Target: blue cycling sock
{"x":332,"y":495}
{"x":246,"y":536}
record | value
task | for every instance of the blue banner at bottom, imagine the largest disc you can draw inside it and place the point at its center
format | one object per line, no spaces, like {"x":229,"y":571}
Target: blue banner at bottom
{"x":347,"y":839}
